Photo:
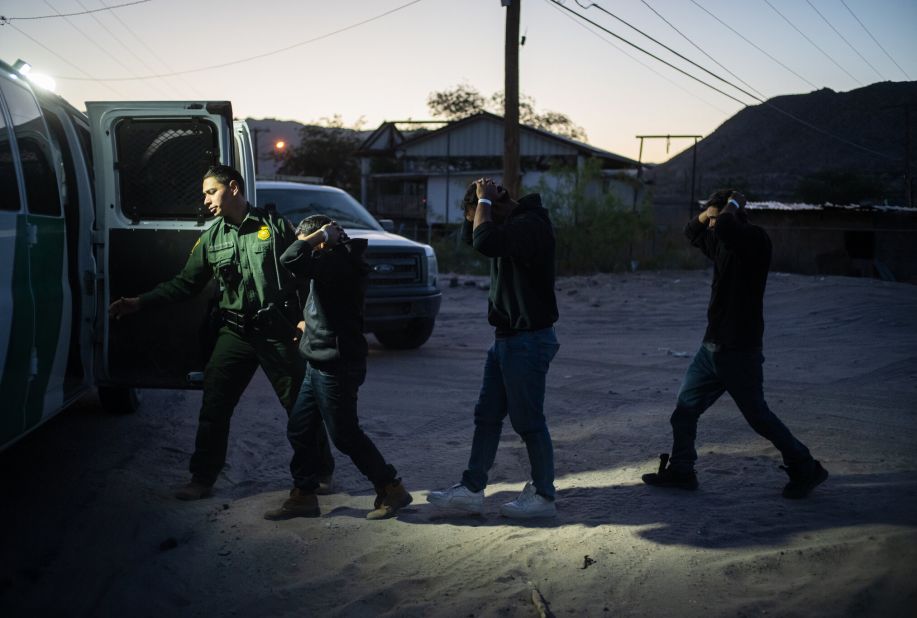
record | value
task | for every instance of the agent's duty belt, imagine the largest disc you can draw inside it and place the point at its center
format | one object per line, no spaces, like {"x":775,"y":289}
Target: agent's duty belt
{"x":236,"y":320}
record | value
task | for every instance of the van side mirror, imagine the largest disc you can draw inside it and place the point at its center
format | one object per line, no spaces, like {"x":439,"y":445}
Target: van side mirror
{"x":387,"y":224}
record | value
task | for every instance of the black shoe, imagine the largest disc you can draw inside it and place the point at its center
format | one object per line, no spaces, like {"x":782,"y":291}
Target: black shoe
{"x":680,"y":478}
{"x":803,"y":479}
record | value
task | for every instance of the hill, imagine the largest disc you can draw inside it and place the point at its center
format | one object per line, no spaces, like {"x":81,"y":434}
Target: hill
{"x":772,"y":156}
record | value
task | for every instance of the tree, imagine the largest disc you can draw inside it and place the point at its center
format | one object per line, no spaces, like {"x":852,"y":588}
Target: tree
{"x":464,"y":100}
{"x":460,"y":102}
{"x":326,"y":150}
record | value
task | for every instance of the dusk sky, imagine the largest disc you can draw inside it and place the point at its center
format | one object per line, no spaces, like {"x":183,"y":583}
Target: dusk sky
{"x":385,"y":68}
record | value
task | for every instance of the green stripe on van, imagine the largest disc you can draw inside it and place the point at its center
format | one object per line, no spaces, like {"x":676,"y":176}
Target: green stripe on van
{"x":16,"y":371}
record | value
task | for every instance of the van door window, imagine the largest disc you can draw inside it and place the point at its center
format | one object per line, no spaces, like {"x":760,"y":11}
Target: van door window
{"x":9,"y":187}
{"x":160,"y":166}
{"x":35,"y":152}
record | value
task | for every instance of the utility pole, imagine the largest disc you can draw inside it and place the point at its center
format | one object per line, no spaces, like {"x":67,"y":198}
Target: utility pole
{"x":255,"y":133}
{"x":668,"y":138}
{"x":511,"y":103}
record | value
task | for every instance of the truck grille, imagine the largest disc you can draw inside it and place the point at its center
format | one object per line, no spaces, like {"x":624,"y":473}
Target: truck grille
{"x":390,"y":268}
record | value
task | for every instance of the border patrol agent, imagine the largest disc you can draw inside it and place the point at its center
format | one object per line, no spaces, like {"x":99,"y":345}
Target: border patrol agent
{"x":241,"y":250}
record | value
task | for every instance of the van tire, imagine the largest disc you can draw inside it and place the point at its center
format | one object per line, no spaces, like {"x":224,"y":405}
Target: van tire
{"x":119,"y":399}
{"x":412,"y":336}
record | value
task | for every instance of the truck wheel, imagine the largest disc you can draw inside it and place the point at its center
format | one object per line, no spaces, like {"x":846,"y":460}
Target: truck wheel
{"x":412,"y":336}
{"x":119,"y":399}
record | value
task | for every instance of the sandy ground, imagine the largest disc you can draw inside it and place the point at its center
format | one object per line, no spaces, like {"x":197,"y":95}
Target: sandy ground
{"x":89,"y":527}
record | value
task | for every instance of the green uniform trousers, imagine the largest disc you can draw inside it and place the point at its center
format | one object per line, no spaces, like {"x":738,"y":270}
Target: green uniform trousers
{"x":232,"y":364}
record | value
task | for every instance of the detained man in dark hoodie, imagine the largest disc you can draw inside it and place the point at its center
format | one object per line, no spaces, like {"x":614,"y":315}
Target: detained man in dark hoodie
{"x":730,"y":358}
{"x":335,"y":351}
{"x":519,"y":240}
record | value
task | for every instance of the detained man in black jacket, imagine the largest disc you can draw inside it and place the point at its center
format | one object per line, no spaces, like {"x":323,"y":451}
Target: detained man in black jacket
{"x":335,"y":351}
{"x":730,"y":358}
{"x":519,"y":240}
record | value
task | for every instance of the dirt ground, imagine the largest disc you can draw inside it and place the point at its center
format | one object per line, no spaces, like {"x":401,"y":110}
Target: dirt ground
{"x":88,"y":526}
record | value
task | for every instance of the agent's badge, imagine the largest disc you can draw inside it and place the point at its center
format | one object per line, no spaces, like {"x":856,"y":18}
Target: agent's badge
{"x":264,"y":233}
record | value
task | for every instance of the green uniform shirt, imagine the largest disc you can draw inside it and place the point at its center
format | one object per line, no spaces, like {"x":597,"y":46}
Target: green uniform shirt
{"x":243,"y":259}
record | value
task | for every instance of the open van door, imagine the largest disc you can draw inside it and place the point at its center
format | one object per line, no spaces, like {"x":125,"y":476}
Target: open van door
{"x":149,"y":160}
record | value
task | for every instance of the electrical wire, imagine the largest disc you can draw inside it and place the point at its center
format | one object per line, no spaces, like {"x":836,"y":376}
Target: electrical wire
{"x":64,"y":60}
{"x":635,"y":59}
{"x":806,"y":37}
{"x":188,"y":84}
{"x":763,"y":102}
{"x":5,"y":20}
{"x":92,"y":41}
{"x":875,"y":39}
{"x":124,"y":45}
{"x":701,"y":50}
{"x":743,"y":37}
{"x":650,"y":54}
{"x":249,"y":58}
{"x":667,"y":48}
{"x":844,"y":39}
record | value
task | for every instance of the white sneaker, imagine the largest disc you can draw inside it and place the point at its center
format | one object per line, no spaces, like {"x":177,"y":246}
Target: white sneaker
{"x":529,"y":505}
{"x":458,"y":497}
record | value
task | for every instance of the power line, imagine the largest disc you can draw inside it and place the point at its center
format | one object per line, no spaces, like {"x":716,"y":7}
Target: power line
{"x":151,"y":51}
{"x":634,"y":58}
{"x":763,"y":102}
{"x":122,"y":43}
{"x":843,"y":38}
{"x":5,"y":20}
{"x":650,"y":54}
{"x":806,"y":37}
{"x":667,"y":48}
{"x":700,"y":49}
{"x":54,"y":53}
{"x":250,"y":58}
{"x":91,"y":40}
{"x":874,"y":39}
{"x":742,"y":36}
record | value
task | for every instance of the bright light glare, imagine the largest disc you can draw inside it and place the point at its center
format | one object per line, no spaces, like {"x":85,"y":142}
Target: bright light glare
{"x":45,"y":81}
{"x":280,"y":144}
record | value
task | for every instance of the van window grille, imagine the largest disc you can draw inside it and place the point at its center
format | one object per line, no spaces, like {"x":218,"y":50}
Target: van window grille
{"x":160,"y":166}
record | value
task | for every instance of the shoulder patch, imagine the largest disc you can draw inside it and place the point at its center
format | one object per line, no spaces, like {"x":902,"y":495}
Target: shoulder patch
{"x":264,"y":233}
{"x":196,"y":244}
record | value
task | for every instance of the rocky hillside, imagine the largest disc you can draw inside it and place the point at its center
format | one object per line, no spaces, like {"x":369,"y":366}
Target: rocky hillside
{"x":771,"y":156}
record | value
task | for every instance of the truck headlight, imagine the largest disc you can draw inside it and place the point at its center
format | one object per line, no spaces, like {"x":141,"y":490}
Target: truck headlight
{"x":432,"y":265}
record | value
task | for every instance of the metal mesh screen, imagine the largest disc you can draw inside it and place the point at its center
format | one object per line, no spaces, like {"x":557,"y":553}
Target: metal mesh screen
{"x":160,"y":165}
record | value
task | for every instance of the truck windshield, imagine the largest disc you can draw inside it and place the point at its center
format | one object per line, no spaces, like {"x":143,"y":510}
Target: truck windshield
{"x":297,"y":204}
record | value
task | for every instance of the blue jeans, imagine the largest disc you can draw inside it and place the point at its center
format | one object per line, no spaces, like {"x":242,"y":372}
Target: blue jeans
{"x":514,"y":382}
{"x":328,"y":397}
{"x":739,"y":373}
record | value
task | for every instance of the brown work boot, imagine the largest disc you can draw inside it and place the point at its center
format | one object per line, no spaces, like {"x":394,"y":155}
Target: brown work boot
{"x":299,"y":504}
{"x":195,"y":490}
{"x":389,"y":499}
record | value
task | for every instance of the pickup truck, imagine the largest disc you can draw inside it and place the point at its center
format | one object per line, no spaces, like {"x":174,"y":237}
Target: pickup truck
{"x":402,"y":300}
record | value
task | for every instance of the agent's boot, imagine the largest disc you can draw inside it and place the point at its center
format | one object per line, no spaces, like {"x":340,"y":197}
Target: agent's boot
{"x":803,"y":479}
{"x":194,"y":490}
{"x":389,"y":499}
{"x":299,"y":504}
{"x":668,"y":476}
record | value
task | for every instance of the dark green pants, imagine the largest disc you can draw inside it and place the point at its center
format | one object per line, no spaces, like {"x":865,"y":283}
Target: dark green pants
{"x":234,"y":361}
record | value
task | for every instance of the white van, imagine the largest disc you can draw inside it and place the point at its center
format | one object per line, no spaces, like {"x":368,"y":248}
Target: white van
{"x":94,"y":207}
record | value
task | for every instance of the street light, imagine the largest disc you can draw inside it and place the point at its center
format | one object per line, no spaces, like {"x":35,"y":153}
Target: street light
{"x":280,"y":145}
